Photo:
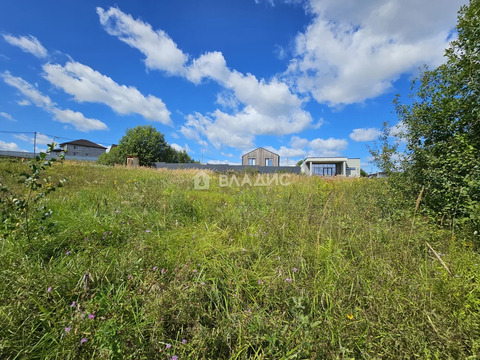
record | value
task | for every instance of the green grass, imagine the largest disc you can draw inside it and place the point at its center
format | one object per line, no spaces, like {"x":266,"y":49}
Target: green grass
{"x":318,"y":269}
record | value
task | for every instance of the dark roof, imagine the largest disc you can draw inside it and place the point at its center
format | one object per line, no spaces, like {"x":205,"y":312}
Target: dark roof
{"x":83,"y":142}
{"x":260,"y":148}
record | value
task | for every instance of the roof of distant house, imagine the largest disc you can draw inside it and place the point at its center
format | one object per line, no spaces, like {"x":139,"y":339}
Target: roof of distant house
{"x":83,"y":142}
{"x":257,"y":149}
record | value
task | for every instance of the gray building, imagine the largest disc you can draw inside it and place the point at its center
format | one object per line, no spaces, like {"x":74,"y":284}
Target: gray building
{"x":331,"y":166}
{"x":82,"y":149}
{"x":261,"y":157}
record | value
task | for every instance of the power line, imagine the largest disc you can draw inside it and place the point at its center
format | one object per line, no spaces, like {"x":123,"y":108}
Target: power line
{"x":17,"y":132}
{"x":49,"y":135}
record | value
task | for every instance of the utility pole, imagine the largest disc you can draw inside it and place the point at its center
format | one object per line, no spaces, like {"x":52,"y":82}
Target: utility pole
{"x":34,"y":144}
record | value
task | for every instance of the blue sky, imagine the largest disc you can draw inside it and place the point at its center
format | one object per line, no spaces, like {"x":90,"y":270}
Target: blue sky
{"x":217,"y":77}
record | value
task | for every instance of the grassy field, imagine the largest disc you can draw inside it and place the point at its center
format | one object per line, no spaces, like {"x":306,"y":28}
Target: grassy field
{"x":140,"y":265}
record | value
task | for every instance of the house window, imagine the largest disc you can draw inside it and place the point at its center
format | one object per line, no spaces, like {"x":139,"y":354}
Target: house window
{"x":251,"y":161}
{"x":268,"y":162}
{"x":324,"y":169}
{"x":75,"y":147}
{"x":74,"y":154}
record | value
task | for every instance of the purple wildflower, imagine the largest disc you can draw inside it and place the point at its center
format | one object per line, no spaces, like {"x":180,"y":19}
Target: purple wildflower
{"x":73,"y":304}
{"x":84,"y":340}
{"x":154,"y":268}
{"x":91,"y":316}
{"x":288,"y":280}
{"x":202,"y":284}
{"x":49,"y":289}
{"x":295,"y":269}
{"x":67,"y":329}
{"x":244,"y":249}
{"x":67,"y":253}
{"x":260,"y":281}
{"x":147,"y":231}
{"x":195,"y":271}
{"x":184,"y":341}
{"x":168,"y":346}
{"x":174,"y":357}
{"x":116,"y":211}
{"x":162,"y":271}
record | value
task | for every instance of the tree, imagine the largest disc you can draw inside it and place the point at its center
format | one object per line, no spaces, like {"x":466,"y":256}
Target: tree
{"x":145,"y":142}
{"x":148,"y":144}
{"x":114,"y":156}
{"x":442,"y":126}
{"x":385,"y":151}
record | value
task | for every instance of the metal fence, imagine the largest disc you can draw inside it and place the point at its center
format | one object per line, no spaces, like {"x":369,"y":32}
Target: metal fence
{"x":31,"y":155}
{"x":225,"y":168}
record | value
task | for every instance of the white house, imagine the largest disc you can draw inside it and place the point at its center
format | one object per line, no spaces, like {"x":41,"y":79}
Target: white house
{"x":331,"y":166}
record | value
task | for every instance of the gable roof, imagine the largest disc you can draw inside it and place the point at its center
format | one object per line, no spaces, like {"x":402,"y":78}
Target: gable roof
{"x":83,"y":142}
{"x":271,"y":152}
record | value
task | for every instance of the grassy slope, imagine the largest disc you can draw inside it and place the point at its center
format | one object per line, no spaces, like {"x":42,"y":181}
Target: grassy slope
{"x":317,"y":269}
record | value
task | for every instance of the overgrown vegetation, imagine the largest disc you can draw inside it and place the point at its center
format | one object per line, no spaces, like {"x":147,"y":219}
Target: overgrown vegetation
{"x":140,"y":265}
{"x":148,"y":144}
{"x":441,"y":127}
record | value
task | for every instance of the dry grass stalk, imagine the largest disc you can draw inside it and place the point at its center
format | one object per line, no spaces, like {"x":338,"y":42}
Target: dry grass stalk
{"x":439,"y":258}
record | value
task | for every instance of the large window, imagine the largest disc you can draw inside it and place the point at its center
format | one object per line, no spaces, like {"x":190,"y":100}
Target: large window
{"x":324,"y":169}
{"x":251,"y":161}
{"x":268,"y":162}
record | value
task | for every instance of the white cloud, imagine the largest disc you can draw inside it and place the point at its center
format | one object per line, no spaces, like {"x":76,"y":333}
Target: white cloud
{"x":258,"y":107}
{"x":88,"y":85}
{"x":365,"y":134}
{"x":6,"y":116}
{"x":181,"y":148}
{"x":227,"y":100}
{"x":28,"y":90}
{"x":327,"y":147}
{"x":77,"y":119}
{"x":301,"y":148}
{"x":353,"y":50}
{"x":160,"y":51}
{"x":177,"y":147}
{"x":24,"y":102}
{"x":28,"y":44}
{"x":239,"y":130}
{"x":42,"y":139}
{"x":10,"y":146}
{"x":399,"y":131}
{"x":286,"y":152}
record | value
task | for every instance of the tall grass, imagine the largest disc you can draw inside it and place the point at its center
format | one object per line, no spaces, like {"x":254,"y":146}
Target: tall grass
{"x":141,"y":265}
